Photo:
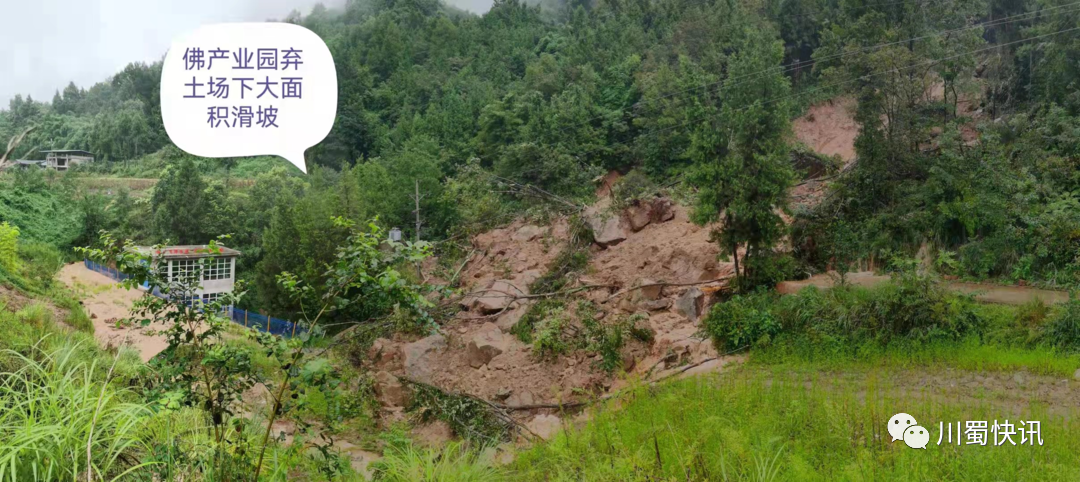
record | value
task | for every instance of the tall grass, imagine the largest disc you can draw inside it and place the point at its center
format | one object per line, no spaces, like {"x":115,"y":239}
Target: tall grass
{"x":453,"y":463}
{"x":58,"y":406}
{"x":761,"y":425}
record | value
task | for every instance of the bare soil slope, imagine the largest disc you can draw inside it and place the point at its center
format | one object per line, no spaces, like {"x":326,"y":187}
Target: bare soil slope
{"x":106,"y":303}
{"x":829,"y":128}
{"x":475,"y":353}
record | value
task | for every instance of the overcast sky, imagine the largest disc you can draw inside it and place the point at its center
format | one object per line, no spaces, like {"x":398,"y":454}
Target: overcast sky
{"x":44,"y":44}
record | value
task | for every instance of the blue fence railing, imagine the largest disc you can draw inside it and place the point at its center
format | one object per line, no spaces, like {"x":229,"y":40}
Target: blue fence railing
{"x":249,"y":319}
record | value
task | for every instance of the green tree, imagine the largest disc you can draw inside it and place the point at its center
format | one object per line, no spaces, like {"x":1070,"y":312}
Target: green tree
{"x":742,"y":167}
{"x":177,"y":205}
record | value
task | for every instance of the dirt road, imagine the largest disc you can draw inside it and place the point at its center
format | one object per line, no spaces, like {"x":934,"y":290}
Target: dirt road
{"x":1007,"y":295}
{"x":107,"y":302}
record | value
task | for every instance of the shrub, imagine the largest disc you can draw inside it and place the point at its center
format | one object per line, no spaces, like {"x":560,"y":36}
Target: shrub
{"x":42,"y":262}
{"x":742,"y":321}
{"x":765,"y":270}
{"x":549,"y":341}
{"x":470,"y":418}
{"x":77,"y":317}
{"x":607,"y":340}
{"x":536,"y":313}
{"x":910,"y":307}
{"x":9,"y":240}
{"x":634,"y":186}
{"x":572,"y":259}
{"x":1062,"y":328}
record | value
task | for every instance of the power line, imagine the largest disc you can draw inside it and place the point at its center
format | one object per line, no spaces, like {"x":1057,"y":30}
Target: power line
{"x":989,"y":23}
{"x":842,"y":9}
{"x":800,"y":64}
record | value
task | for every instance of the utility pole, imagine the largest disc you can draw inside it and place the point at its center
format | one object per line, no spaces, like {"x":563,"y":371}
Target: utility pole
{"x":416,"y":200}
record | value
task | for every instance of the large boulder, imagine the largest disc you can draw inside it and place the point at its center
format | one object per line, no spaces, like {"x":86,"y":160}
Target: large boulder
{"x":487,"y":343}
{"x":420,"y":356}
{"x":525,"y":278}
{"x":690,"y":303}
{"x":649,"y":211}
{"x":384,"y":353}
{"x":496,"y":297}
{"x":661,"y":210}
{"x":527,"y":233}
{"x":608,"y":229}
{"x":545,"y":426}
{"x":507,"y":320}
{"x":656,"y":305}
{"x":649,"y":289}
{"x":520,"y":398}
{"x":682,"y":345}
{"x":389,"y":390}
{"x":629,"y":361}
{"x":638,"y":216}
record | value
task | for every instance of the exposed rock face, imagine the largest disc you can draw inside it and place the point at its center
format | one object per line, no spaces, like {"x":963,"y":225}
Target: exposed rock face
{"x":486,"y":344}
{"x":420,"y":356}
{"x":389,"y":391}
{"x":690,"y":303}
{"x":528,"y":233}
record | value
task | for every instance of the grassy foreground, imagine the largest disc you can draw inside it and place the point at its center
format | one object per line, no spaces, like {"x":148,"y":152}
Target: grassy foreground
{"x":776,"y":424}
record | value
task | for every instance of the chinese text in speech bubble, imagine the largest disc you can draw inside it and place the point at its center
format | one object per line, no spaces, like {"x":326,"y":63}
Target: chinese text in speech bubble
{"x":245,"y":89}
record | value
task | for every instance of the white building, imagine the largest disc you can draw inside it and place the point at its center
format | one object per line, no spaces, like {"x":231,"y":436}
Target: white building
{"x":217,"y":266}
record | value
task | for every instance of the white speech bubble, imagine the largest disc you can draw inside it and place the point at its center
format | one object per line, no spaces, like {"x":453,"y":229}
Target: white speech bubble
{"x":916,"y":437}
{"x":898,"y":423}
{"x":267,"y":111}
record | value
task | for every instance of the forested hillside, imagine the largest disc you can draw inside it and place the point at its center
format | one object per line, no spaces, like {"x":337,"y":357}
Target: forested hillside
{"x":967,"y":143}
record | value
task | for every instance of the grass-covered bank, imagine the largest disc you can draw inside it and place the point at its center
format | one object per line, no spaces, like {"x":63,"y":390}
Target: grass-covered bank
{"x":911,"y":321}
